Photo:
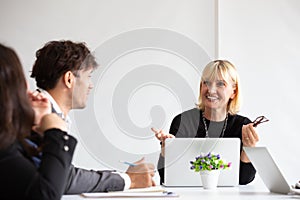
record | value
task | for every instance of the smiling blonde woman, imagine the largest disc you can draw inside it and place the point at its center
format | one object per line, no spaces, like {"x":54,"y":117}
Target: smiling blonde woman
{"x":215,"y":116}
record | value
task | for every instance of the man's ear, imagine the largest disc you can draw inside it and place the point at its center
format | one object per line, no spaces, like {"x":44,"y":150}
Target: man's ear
{"x":69,"y":79}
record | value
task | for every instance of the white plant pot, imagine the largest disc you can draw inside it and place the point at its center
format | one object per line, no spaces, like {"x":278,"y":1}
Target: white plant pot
{"x":210,"y":178}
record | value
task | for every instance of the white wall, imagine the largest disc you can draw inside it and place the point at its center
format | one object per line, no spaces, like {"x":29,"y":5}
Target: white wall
{"x":262,"y":39}
{"x":182,"y":42}
{"x":259,"y":37}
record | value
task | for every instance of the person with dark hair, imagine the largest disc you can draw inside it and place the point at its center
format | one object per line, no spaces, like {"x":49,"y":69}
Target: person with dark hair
{"x":215,"y":116}
{"x":62,"y":71}
{"x":20,"y":111}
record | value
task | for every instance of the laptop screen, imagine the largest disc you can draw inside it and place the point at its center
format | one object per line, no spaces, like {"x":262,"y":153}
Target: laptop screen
{"x":267,"y":169}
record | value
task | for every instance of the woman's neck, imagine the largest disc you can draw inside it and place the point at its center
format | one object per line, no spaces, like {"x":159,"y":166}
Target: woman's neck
{"x":215,"y":115}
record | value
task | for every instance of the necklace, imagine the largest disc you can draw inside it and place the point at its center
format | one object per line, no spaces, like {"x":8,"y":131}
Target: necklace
{"x":205,"y":126}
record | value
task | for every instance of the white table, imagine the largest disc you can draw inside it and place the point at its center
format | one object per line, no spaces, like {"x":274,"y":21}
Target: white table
{"x":250,"y":192}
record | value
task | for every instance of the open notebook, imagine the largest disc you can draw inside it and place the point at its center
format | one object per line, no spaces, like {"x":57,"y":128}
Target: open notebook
{"x":156,"y":191}
{"x":180,"y":151}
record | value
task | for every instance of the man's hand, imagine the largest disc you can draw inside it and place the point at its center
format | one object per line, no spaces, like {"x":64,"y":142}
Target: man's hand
{"x":141,"y":174}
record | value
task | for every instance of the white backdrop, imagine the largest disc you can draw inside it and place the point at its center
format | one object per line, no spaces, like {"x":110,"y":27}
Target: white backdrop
{"x":170,"y":40}
{"x":262,"y":39}
{"x":259,"y":37}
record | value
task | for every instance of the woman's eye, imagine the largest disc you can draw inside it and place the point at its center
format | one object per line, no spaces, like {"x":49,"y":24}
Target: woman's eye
{"x":221,"y":84}
{"x":207,"y":83}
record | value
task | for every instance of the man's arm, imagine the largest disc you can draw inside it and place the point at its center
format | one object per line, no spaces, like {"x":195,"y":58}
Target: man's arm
{"x":82,"y":180}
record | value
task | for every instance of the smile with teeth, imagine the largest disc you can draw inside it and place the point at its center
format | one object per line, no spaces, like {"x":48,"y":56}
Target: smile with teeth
{"x":212,"y":98}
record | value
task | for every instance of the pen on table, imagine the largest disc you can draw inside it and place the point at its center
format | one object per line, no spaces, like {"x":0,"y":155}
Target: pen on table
{"x":127,"y":163}
{"x":168,"y":193}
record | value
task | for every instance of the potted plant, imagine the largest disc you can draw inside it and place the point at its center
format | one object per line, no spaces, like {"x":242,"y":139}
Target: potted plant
{"x":209,"y":166}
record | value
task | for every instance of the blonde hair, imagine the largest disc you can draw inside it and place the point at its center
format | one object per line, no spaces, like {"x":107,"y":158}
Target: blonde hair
{"x":225,"y":70}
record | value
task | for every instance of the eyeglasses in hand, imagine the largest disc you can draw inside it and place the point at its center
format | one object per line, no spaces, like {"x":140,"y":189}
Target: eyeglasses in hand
{"x":259,"y":120}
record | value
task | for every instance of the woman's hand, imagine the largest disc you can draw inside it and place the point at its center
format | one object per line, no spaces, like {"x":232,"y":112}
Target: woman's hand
{"x":161,"y":136}
{"x":50,"y":121}
{"x":249,"y":135}
{"x":249,"y":139}
{"x":40,"y":104}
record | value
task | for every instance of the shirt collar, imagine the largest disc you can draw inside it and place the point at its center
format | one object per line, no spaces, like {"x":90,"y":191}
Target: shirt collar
{"x":55,"y":106}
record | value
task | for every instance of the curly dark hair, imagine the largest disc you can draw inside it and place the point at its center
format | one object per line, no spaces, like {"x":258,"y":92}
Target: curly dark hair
{"x":58,"y":57}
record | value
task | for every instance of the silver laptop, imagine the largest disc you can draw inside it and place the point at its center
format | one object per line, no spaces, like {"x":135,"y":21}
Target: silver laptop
{"x":180,"y":151}
{"x":267,"y":169}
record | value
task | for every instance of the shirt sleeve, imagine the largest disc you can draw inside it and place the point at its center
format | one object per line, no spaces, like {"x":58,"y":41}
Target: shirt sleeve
{"x":82,"y":180}
{"x":247,"y":170}
{"x":247,"y":173}
{"x":127,"y":180}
